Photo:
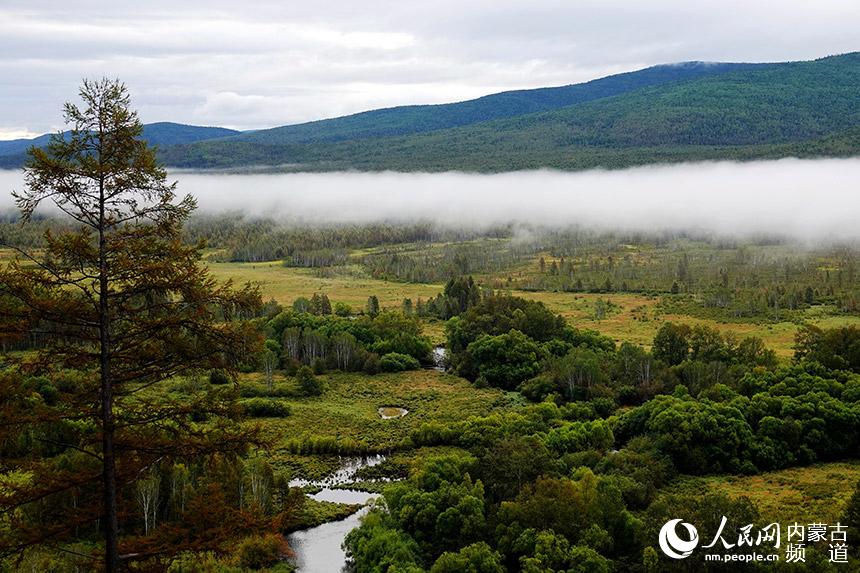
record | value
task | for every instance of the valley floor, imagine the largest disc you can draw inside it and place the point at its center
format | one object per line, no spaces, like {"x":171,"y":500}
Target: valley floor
{"x":631,"y":318}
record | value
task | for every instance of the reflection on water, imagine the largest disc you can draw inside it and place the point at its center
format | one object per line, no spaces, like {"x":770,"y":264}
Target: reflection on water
{"x":389,"y":412}
{"x":344,"y":496}
{"x":440,"y":358}
{"x":344,"y":474}
{"x":318,"y":549}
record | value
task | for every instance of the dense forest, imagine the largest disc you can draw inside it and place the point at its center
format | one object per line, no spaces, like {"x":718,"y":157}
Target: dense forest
{"x":571,"y":478}
{"x":671,"y":113}
{"x":571,"y":483}
{"x":804,"y":109}
{"x":177,"y":392}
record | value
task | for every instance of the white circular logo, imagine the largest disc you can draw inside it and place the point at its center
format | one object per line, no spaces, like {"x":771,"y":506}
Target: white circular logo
{"x":674,"y":546}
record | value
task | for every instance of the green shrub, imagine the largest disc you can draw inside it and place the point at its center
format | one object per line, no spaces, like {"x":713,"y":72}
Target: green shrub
{"x":319,"y":366}
{"x":260,"y":552}
{"x":258,"y":390}
{"x":342,"y":309}
{"x":291,"y":366}
{"x":190,"y":562}
{"x":396,"y":362}
{"x":308,"y":383}
{"x":218,"y":376}
{"x":371,"y":365}
{"x":264,"y":408}
{"x":328,"y":445}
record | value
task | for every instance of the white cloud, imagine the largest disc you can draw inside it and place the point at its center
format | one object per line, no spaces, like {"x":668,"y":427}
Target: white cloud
{"x":808,"y":200}
{"x":16,"y":133}
{"x":268,"y":62}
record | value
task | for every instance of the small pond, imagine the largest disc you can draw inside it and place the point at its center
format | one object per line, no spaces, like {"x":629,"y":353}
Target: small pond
{"x":389,"y":412}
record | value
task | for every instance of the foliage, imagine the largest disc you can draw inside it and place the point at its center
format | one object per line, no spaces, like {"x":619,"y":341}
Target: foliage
{"x":379,"y":546}
{"x":671,"y":344}
{"x":475,"y":558}
{"x":261,"y":552}
{"x":122,"y":306}
{"x":503,"y":361}
{"x":396,"y":362}
{"x":266,"y":408}
{"x":837,"y":348}
{"x":218,"y":376}
{"x":307,"y":382}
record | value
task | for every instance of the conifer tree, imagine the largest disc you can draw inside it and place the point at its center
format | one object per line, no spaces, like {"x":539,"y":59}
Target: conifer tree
{"x":119,"y":305}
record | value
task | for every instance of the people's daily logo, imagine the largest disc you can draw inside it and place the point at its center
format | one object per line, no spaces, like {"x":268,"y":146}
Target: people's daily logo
{"x":748,"y":543}
{"x":672,"y":544}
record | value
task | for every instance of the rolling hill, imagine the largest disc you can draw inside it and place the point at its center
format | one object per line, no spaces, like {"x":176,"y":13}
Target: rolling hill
{"x":805,"y":109}
{"x":405,"y":120}
{"x":676,"y":112}
{"x":13,"y":152}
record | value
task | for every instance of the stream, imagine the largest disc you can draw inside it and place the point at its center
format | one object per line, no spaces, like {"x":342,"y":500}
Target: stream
{"x":318,"y":549}
{"x":440,"y":358}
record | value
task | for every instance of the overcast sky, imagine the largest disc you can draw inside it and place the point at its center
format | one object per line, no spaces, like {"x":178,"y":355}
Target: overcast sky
{"x":252,"y":64}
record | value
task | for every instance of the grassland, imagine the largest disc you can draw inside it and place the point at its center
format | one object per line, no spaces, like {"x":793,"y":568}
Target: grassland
{"x":347,"y":411}
{"x":817,"y":493}
{"x":631,"y":317}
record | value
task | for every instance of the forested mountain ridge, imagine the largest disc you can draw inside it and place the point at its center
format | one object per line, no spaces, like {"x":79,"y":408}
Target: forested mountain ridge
{"x":13,"y":152}
{"x":670,"y":113}
{"x":805,"y":109}
{"x":409,"y":119}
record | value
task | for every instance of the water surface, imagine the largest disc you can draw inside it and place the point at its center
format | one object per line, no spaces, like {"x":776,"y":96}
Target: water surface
{"x":319,"y":549}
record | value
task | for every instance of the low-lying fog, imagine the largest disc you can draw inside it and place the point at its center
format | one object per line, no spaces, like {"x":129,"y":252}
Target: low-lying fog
{"x":807,"y":200}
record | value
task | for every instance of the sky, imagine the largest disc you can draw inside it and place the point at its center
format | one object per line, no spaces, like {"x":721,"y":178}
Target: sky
{"x":255,"y":64}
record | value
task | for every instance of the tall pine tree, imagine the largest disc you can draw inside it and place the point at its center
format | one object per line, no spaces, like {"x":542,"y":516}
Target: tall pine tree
{"x":113,"y":308}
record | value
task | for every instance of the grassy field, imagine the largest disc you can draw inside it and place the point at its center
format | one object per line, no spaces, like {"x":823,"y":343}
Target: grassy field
{"x":816,"y":493}
{"x":636,"y":318}
{"x":631,"y":317}
{"x":348,"y":411}
{"x":285,"y":284}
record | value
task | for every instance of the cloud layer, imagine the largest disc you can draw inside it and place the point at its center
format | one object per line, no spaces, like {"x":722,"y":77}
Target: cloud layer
{"x":267,"y":62}
{"x":806,"y":200}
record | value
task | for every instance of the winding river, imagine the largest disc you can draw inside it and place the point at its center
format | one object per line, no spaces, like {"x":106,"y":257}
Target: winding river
{"x":318,"y":549}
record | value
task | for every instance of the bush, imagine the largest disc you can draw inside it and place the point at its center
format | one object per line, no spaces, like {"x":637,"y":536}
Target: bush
{"x":263,"y":408}
{"x":258,"y":390}
{"x":538,"y":388}
{"x":191,"y":562}
{"x":371,"y":365}
{"x":218,"y":376}
{"x":291,"y":366}
{"x":342,"y":309}
{"x":396,"y":362}
{"x":308,"y":384}
{"x":260,"y":552}
{"x":478,"y":557}
{"x":319,"y":366}
{"x":504,"y":361}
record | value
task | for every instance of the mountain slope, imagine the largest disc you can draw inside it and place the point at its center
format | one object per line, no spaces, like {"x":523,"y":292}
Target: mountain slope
{"x":404,"y":120}
{"x":162,"y":134}
{"x":769,"y":111}
{"x":167,"y":133}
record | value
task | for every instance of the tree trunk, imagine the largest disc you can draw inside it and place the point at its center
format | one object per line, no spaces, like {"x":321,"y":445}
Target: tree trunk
{"x":107,"y":419}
